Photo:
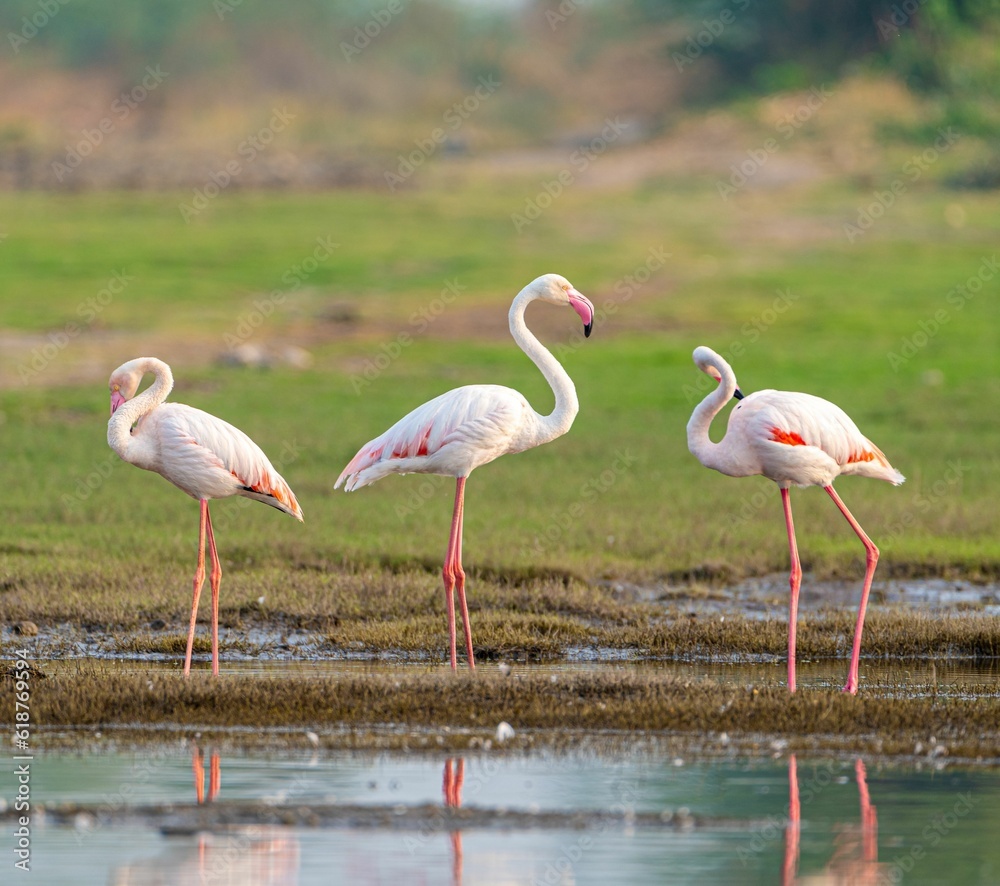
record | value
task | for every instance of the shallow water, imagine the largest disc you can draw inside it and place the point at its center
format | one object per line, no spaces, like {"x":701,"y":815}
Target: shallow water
{"x":681,"y":821}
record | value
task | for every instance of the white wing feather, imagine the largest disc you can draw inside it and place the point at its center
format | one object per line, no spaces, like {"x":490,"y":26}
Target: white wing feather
{"x":451,"y":434}
{"x":208,"y":457}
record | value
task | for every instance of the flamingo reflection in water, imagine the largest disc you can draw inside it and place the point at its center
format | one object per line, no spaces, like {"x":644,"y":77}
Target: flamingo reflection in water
{"x":855,"y":860}
{"x":214,"y":778}
{"x":454,"y":778}
{"x":259,"y":855}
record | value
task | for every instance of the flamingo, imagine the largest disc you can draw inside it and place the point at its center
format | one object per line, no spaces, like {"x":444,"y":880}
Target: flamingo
{"x":197,"y":452}
{"x":793,"y":439}
{"x":471,"y":426}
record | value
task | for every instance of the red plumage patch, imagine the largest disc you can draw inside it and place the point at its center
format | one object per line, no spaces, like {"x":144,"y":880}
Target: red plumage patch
{"x":789,"y":438}
{"x":422,"y":447}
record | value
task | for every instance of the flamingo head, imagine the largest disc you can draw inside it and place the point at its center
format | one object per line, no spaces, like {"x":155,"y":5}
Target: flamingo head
{"x":558,"y":290}
{"x":712,"y":365}
{"x":124,"y":382}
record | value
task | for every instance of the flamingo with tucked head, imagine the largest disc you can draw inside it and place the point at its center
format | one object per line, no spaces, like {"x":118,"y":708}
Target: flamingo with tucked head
{"x":795,"y":440}
{"x":470,"y":426}
{"x":197,"y":452}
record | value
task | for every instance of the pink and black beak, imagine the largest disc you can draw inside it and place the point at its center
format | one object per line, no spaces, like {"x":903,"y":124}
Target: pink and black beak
{"x":116,"y":400}
{"x":737,"y":394}
{"x":585,"y":308}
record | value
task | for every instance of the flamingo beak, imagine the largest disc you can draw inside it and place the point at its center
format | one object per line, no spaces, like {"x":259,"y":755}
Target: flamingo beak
{"x":737,"y":394}
{"x":583,"y":306}
{"x":116,"y":400}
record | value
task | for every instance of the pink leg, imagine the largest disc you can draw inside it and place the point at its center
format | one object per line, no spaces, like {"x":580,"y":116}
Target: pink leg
{"x":795,"y":582}
{"x":215,"y":776}
{"x":453,"y":780}
{"x":449,"y":571}
{"x":215,"y":579}
{"x":871,"y":563}
{"x":460,"y":580}
{"x":199,"y":580}
{"x":198,"y":765}
{"x":869,"y":815}
{"x":793,"y":826}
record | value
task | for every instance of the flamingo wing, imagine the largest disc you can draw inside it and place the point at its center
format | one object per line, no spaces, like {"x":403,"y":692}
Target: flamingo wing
{"x":781,"y":421}
{"x":451,"y":434}
{"x":210,"y":458}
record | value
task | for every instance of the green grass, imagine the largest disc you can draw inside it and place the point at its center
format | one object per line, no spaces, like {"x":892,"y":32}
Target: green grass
{"x":619,"y":496}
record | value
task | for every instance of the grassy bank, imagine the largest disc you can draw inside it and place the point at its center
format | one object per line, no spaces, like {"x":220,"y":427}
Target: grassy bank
{"x":768,"y":277}
{"x":446,"y":710}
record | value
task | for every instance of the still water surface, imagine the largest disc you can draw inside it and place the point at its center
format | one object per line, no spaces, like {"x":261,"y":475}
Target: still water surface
{"x":855,"y":822}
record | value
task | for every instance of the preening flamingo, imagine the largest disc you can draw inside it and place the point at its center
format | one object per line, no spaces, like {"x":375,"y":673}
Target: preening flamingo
{"x":795,"y":440}
{"x":472,"y":425}
{"x":197,"y":452}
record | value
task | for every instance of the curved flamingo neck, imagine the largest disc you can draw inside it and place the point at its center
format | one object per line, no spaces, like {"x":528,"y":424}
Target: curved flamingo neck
{"x":120,"y":424}
{"x":560,"y":420}
{"x":711,"y":455}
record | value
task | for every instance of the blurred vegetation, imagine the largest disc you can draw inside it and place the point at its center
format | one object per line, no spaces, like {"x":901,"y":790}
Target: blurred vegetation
{"x":569,"y":59}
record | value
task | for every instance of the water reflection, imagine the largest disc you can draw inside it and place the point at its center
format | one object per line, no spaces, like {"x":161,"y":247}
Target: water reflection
{"x":254,"y":855}
{"x":215,"y":775}
{"x":405,"y":819}
{"x":855,"y":859}
{"x":454,"y":778}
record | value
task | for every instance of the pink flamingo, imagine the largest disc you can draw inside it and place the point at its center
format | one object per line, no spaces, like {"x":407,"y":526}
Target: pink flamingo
{"x":470,"y":426}
{"x":793,"y":439}
{"x":197,"y":452}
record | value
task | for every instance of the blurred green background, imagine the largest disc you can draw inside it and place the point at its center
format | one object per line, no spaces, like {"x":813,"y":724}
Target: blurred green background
{"x":318,"y":215}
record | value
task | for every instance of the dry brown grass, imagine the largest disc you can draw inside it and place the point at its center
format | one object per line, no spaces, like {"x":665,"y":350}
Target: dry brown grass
{"x":551,"y":708}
